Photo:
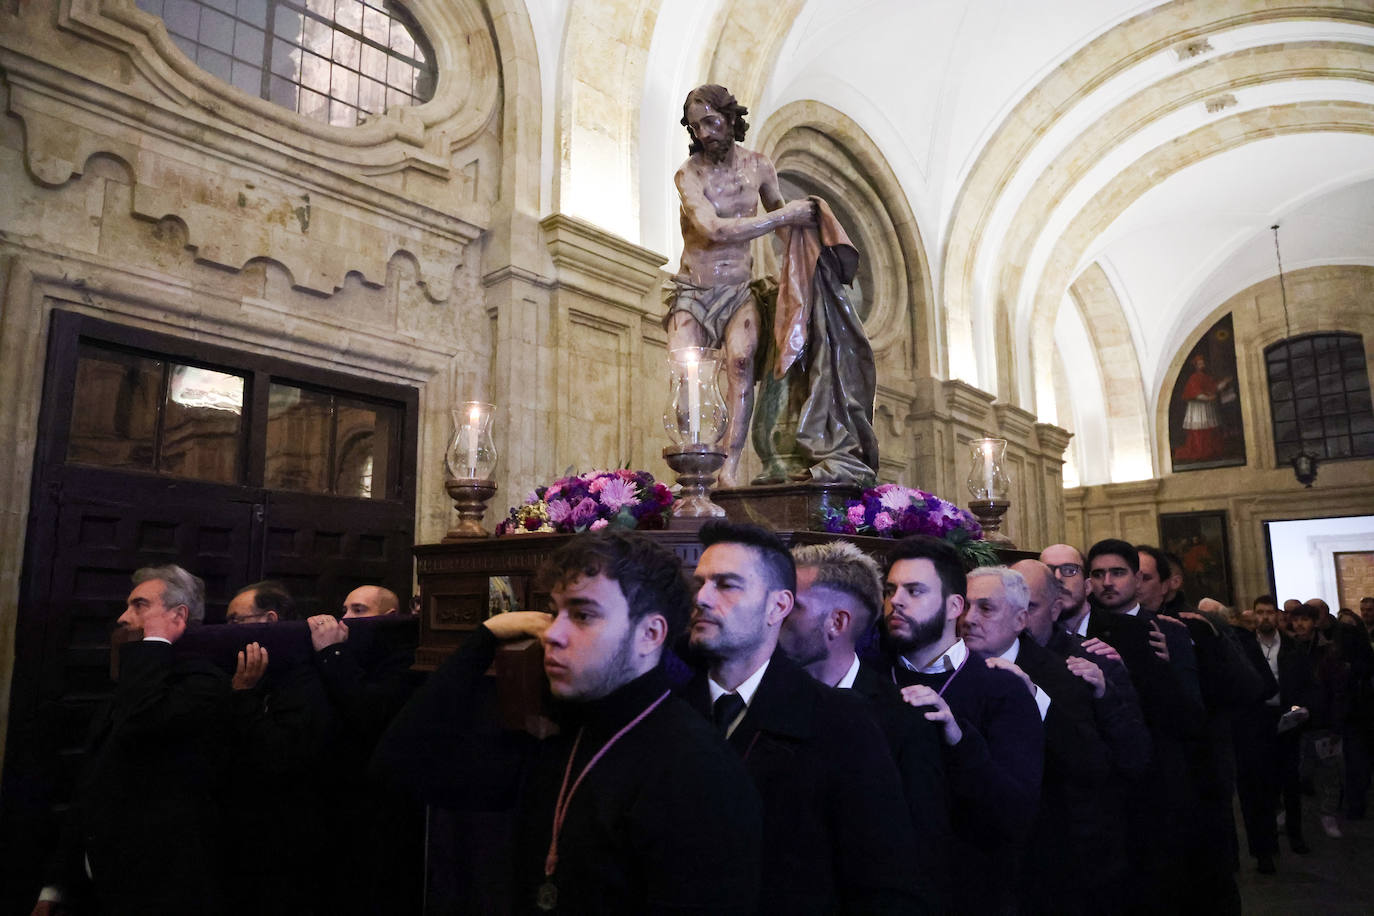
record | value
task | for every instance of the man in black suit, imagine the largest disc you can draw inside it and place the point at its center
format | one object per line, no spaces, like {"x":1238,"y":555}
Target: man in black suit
{"x":1062,"y":852}
{"x":367,"y":677}
{"x":1152,"y":574}
{"x":833,"y":841}
{"x":839,"y":596}
{"x":1165,"y":844}
{"x":1120,"y":723}
{"x":1261,"y":752}
{"x":635,"y":805}
{"x":140,"y":834}
{"x":278,"y":812}
{"x":994,"y":740}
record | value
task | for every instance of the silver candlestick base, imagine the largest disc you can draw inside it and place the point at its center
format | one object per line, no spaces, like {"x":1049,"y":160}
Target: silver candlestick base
{"x":989,"y":513}
{"x":470,"y":497}
{"x":696,"y":467}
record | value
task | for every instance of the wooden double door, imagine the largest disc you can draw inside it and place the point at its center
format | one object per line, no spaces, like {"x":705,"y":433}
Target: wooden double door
{"x":155,"y":450}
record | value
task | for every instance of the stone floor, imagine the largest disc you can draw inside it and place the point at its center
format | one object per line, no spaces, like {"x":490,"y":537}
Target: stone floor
{"x":1335,"y":879}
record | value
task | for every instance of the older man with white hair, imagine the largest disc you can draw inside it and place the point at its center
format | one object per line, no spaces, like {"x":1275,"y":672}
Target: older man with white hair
{"x":139,"y":831}
{"x":1058,"y":876}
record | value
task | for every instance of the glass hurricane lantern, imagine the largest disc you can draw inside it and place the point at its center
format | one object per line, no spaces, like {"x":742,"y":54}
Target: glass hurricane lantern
{"x":695,"y":420}
{"x":470,"y":461}
{"x":987,"y":482}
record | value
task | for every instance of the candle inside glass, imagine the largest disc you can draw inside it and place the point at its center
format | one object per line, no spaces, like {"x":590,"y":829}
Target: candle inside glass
{"x":693,"y":398}
{"x":988,"y":470}
{"x":474,"y":415}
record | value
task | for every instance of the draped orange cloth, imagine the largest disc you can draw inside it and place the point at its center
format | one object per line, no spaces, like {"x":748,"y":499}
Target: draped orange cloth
{"x":802,"y":249}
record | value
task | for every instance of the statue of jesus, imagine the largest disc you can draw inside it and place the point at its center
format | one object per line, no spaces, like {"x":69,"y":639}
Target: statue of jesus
{"x":713,"y":304}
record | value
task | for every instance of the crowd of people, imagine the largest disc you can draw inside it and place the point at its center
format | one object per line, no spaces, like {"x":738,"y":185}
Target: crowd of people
{"x":812,"y":730}
{"x":242,"y":787}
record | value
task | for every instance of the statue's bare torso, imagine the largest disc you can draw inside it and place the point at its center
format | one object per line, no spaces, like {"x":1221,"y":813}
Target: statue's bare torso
{"x":731,"y":189}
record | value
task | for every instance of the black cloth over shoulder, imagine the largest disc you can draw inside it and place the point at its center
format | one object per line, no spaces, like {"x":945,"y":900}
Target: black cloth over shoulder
{"x":666,"y":822}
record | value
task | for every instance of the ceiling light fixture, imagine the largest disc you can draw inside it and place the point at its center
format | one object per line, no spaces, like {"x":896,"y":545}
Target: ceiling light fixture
{"x":1304,"y":462}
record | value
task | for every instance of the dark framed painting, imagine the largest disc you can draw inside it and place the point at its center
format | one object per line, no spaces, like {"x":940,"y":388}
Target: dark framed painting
{"x":1205,"y":425}
{"x":1199,"y":540}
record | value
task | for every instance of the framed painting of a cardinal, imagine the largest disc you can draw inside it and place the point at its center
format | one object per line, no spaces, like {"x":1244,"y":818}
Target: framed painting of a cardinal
{"x":1205,"y":426}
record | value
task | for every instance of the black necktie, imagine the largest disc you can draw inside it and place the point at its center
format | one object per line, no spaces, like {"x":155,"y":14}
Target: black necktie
{"x":725,"y":709}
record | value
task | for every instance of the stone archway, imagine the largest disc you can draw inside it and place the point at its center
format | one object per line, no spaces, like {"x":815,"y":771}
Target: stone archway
{"x":1123,"y":390}
{"x":1131,"y":183}
{"x":985,"y":274}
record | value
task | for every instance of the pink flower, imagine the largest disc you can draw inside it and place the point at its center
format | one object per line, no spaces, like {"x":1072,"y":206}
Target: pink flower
{"x":584,"y":511}
{"x":559,"y":511}
{"x":598,"y":524}
{"x":882,"y":521}
{"x":855,"y":514}
{"x":616,"y":494}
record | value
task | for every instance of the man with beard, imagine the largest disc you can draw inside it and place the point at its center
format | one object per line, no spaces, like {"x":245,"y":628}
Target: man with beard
{"x":635,"y":805}
{"x":839,"y":596}
{"x":713,"y":303}
{"x":834,"y":841}
{"x":994,"y":740}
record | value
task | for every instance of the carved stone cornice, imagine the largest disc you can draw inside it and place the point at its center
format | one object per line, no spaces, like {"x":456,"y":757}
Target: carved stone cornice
{"x":510,"y":273}
{"x":1134,"y":491}
{"x":1053,"y":439}
{"x":598,"y":263}
{"x":967,"y":403}
{"x":1014,"y":422}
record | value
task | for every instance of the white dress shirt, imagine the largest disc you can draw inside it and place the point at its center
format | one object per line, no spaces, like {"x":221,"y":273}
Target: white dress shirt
{"x":847,"y":682}
{"x":1042,"y":699}
{"x":954,"y":657}
{"x":1271,"y":657}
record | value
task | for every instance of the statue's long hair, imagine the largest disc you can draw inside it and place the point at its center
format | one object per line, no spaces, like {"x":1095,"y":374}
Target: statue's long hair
{"x":719,"y":98}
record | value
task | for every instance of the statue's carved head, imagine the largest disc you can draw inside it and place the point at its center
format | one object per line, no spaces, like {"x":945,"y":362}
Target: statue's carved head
{"x":719,"y":99}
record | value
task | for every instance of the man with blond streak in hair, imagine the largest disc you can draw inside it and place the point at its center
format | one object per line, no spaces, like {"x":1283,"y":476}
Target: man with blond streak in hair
{"x":839,"y":597}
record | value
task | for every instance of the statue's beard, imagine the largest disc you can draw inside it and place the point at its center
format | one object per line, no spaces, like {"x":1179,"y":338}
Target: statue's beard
{"x":716,"y":150}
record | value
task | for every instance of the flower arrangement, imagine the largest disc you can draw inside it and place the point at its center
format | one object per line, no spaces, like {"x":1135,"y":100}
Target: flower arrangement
{"x":590,"y":502}
{"x":893,"y":511}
